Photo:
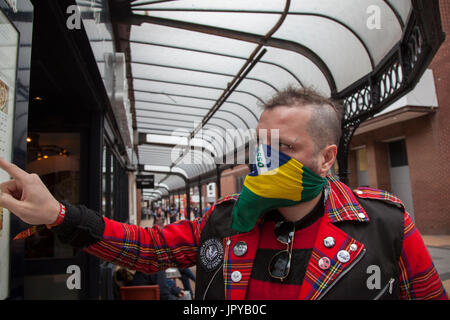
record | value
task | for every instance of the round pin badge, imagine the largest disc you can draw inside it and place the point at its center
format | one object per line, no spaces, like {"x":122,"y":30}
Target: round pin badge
{"x":329,"y":242}
{"x":343,"y":256}
{"x":236,"y":276}
{"x":211,"y":254}
{"x":324,"y":263}
{"x":240,"y":248}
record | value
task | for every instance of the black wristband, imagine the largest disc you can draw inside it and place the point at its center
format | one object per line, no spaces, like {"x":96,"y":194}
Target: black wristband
{"x":81,"y":226}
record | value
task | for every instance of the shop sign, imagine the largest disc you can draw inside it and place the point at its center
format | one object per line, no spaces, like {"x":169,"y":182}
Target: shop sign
{"x":145,"y":182}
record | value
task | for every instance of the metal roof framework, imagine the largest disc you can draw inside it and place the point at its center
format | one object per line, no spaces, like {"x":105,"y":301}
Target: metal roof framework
{"x":198,"y":70}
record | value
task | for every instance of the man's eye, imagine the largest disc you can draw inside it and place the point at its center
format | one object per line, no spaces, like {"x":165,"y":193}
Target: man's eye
{"x":284,"y":145}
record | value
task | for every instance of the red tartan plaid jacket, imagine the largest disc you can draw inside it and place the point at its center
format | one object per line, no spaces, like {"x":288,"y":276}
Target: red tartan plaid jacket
{"x":152,"y":249}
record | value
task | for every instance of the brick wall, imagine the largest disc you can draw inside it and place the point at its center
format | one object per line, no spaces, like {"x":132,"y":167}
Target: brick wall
{"x":439,"y":136}
{"x":428,"y":148}
{"x":228,"y":179}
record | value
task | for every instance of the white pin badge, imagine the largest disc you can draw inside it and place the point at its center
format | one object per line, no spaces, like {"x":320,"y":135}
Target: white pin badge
{"x":343,"y":256}
{"x":329,"y":242}
{"x":240,"y":248}
{"x":236,"y":276}
{"x":324,"y":263}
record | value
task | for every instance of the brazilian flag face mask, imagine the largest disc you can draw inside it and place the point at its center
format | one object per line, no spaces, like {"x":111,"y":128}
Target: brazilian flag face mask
{"x":276,"y":180}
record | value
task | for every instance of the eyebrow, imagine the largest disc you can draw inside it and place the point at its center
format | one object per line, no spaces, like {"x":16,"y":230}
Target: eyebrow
{"x":284,"y":140}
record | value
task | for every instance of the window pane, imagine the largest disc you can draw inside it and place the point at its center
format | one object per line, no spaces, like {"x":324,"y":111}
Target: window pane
{"x":55,"y":157}
{"x":362,"y":159}
{"x":397,"y":153}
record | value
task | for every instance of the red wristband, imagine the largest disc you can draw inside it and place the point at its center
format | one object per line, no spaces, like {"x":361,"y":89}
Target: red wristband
{"x":60,"y":218}
{"x":30,"y":231}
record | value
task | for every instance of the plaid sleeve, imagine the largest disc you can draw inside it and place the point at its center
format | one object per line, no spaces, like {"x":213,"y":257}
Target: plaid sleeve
{"x":150,"y":249}
{"x":419,"y":279}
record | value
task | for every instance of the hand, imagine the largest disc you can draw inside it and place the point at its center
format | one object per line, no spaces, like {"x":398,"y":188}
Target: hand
{"x":27,"y":197}
{"x":181,"y":294}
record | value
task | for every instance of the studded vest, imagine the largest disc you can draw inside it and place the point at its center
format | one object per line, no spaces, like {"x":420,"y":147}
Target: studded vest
{"x":382,"y":238}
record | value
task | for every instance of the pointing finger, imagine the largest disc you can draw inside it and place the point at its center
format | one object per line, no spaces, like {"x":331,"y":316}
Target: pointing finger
{"x":8,"y":202}
{"x":11,"y":188}
{"x":13,"y":170}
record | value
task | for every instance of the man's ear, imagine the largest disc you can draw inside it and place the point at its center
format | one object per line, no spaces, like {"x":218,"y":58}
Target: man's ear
{"x":326,"y":159}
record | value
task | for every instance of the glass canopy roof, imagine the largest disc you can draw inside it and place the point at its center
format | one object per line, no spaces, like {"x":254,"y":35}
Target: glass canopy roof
{"x":185,"y":53}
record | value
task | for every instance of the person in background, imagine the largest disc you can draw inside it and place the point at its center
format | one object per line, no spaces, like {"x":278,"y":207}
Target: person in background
{"x":166,"y":292}
{"x":167,"y":215}
{"x":173,"y":214}
{"x":124,"y":277}
{"x":186,"y":275}
{"x":207,"y":208}
{"x":196,"y":213}
{"x":159,"y":217}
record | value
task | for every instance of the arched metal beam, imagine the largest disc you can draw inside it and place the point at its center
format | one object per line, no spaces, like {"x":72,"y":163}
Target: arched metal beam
{"x":144,"y":143}
{"x":153,"y":190}
{"x":195,"y":165}
{"x":167,"y":149}
{"x":196,"y":86}
{"x":211,"y":124}
{"x":200,"y":86}
{"x":159,"y":118}
{"x":211,"y":127}
{"x":191,"y":115}
{"x":198,"y":156}
{"x":185,"y":179}
{"x":217,"y":54}
{"x":136,"y":19}
{"x":196,"y":97}
{"x":187,"y":106}
{"x":162,"y":185}
{"x":353,"y":32}
{"x":150,"y":2}
{"x":397,"y":15}
{"x":202,"y":71}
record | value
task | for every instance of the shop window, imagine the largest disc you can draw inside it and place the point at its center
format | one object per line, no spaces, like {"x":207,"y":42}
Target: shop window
{"x":55,"y":157}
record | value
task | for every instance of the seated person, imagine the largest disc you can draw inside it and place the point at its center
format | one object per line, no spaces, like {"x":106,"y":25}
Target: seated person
{"x":125,"y":277}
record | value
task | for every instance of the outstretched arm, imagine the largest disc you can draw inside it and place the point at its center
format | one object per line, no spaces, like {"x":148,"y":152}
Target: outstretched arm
{"x":144,"y":249}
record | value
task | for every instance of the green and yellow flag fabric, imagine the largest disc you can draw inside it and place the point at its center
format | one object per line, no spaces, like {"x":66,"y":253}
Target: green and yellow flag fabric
{"x":276,"y":180}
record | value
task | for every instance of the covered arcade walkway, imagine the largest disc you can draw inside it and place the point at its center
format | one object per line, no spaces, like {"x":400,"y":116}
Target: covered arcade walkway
{"x":198,"y":69}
